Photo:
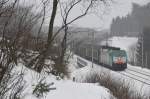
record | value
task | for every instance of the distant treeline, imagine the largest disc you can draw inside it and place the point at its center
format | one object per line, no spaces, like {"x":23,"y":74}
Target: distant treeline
{"x":132,"y":24}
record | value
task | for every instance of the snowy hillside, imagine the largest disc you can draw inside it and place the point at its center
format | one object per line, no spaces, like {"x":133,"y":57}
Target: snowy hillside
{"x":65,"y":89}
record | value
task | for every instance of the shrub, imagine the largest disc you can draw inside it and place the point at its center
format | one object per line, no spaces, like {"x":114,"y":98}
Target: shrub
{"x":59,"y":69}
{"x":119,"y":88}
{"x":42,"y":88}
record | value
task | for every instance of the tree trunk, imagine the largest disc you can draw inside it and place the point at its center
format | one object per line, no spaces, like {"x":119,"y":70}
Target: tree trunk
{"x":64,"y":45}
{"x":51,"y":24}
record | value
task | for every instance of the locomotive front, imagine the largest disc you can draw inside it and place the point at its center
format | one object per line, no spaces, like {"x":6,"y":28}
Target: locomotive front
{"x":119,"y":59}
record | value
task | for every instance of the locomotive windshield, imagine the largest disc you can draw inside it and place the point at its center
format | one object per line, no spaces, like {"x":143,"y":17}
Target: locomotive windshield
{"x":119,"y":53}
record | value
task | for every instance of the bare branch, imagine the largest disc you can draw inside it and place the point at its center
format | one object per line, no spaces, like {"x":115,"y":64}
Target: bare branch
{"x":78,"y":17}
{"x":44,"y":12}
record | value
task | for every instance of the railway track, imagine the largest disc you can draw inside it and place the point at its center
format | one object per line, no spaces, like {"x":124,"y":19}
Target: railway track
{"x":141,"y":72}
{"x":137,"y":75}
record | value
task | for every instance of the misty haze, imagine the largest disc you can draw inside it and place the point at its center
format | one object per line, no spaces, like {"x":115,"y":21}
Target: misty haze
{"x":74,"y":49}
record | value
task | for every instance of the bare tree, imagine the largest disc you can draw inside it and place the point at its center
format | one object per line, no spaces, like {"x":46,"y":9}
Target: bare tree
{"x":43,"y":18}
{"x":7,"y":53}
{"x":65,"y":14}
{"x":19,"y":21}
{"x":39,"y":61}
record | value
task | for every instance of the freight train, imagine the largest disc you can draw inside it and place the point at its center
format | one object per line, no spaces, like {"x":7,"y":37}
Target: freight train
{"x":111,"y":57}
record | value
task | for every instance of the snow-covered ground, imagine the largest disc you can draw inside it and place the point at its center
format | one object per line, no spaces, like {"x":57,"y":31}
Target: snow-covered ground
{"x":139,"y":68}
{"x":135,"y":85}
{"x":65,"y":89}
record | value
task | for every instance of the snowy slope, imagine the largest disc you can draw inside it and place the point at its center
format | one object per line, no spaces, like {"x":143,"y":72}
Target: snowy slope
{"x":70,"y":90}
{"x":65,"y":89}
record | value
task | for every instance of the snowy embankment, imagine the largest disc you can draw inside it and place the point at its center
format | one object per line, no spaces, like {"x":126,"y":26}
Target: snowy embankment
{"x":65,"y":89}
{"x":134,"y":85}
{"x":139,"y":68}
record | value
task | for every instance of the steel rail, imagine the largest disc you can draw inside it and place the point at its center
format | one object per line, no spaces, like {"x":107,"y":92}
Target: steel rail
{"x":139,"y":72}
{"x":134,"y":78}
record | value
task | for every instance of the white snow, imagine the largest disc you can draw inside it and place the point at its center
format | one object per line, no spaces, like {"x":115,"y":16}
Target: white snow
{"x":141,"y":69}
{"x":135,"y":85}
{"x":65,"y":89}
{"x":70,"y":90}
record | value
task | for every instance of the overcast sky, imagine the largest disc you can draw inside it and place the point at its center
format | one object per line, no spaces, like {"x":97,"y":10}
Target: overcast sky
{"x":119,"y":8}
{"x":99,"y":21}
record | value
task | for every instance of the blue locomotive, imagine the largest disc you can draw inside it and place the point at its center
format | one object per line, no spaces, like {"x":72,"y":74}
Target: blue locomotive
{"x":111,"y":57}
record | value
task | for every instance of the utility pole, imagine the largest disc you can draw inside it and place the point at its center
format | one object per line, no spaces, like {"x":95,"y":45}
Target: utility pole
{"x":146,"y":64}
{"x":134,"y":56}
{"x":142,"y":53}
{"x":92,"y":47}
{"x":107,"y":39}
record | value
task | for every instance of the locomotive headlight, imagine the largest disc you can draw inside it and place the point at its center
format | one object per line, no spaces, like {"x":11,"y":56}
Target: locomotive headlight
{"x":119,"y":59}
